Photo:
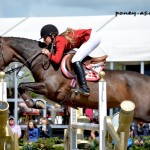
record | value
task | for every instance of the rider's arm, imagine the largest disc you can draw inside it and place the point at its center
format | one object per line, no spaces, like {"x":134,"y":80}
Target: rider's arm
{"x":60,"y":48}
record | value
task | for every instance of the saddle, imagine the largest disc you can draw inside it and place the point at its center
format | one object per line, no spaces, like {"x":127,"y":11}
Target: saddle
{"x":92,"y":67}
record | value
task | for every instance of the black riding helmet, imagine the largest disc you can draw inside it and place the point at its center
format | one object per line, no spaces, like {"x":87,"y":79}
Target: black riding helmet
{"x":48,"y":29}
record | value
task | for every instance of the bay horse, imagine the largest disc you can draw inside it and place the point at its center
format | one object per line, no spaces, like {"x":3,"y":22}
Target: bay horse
{"x":50,"y":82}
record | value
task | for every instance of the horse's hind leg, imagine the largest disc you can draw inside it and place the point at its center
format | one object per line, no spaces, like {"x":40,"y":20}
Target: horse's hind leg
{"x":38,"y":88}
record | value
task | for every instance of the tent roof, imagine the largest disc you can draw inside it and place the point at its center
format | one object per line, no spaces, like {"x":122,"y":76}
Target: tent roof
{"x":123,"y":38}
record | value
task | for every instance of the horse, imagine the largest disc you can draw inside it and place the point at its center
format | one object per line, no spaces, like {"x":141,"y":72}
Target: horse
{"x":54,"y":85}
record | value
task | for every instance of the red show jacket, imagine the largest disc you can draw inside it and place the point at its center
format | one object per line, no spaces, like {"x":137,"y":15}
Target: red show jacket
{"x":63,"y":45}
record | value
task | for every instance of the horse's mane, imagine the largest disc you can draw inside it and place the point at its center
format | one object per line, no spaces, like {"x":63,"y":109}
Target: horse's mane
{"x":18,"y":38}
{"x":23,"y":43}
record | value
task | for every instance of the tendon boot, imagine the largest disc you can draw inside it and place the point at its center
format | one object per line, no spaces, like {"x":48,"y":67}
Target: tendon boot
{"x":79,"y":71}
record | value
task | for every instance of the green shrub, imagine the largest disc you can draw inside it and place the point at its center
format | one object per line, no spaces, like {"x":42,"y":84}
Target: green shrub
{"x":94,"y":145}
{"x":53,"y":144}
{"x":44,"y":144}
{"x":21,"y":142}
{"x":146,"y":145}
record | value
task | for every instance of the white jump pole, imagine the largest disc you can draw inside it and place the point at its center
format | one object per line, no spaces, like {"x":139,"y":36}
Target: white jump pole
{"x":102,"y":111}
{"x":3,"y":87}
{"x":73,"y":131}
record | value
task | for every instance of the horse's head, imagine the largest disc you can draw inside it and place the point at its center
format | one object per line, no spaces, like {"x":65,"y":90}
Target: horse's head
{"x":14,"y":49}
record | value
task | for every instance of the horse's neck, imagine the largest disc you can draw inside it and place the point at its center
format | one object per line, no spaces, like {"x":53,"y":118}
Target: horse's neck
{"x":23,"y":49}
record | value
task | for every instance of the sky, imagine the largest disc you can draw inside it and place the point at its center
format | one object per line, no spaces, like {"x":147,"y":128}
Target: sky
{"x":53,"y":8}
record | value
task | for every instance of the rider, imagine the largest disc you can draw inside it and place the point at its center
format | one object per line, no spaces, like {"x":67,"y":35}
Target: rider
{"x":84,"y":40}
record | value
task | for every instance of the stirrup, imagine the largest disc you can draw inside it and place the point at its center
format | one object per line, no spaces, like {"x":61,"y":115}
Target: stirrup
{"x":80,"y":91}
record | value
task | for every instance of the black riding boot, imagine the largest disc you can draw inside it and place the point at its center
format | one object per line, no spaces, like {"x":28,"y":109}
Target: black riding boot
{"x":83,"y":88}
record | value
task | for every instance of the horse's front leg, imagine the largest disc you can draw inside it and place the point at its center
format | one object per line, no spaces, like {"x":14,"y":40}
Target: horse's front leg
{"x":35,"y":87}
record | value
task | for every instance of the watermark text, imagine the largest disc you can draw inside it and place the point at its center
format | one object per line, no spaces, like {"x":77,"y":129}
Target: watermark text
{"x":145,"y":13}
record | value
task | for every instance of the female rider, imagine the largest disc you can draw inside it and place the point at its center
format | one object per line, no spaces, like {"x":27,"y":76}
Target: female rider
{"x":84,"y":40}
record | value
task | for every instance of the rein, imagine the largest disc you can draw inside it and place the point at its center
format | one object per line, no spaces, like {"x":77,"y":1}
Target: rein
{"x":18,"y":69}
{"x":43,"y":62}
{"x":24,"y":64}
{"x":51,"y":52}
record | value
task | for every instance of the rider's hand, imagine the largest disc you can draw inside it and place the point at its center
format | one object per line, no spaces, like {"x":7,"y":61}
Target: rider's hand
{"x":46,"y":51}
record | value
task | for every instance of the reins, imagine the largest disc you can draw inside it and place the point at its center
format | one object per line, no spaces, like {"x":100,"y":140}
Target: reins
{"x":18,"y":69}
{"x":43,"y":61}
{"x":30,"y":68}
{"x":29,"y":61}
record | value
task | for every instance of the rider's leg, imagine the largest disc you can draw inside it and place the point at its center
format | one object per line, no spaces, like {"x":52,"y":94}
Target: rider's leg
{"x":79,"y":71}
{"x":81,"y":53}
{"x":87,"y":47}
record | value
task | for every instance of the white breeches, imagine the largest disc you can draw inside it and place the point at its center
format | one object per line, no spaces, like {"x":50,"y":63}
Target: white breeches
{"x":87,"y":47}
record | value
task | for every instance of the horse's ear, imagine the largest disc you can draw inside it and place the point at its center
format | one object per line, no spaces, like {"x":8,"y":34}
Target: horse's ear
{"x":42,"y":44}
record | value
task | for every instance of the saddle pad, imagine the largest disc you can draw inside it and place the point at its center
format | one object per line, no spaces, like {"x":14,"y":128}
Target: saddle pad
{"x":91,"y":74}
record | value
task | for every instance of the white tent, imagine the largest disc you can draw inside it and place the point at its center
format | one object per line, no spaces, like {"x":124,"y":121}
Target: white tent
{"x":123,"y":38}
{"x":127,"y":38}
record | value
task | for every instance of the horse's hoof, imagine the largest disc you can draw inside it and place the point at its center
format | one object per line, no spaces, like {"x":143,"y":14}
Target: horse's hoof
{"x":40,"y":104}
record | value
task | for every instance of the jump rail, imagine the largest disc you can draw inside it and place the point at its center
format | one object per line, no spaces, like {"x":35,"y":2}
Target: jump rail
{"x":125,"y":119}
{"x":107,"y":133}
{"x":74,"y":125}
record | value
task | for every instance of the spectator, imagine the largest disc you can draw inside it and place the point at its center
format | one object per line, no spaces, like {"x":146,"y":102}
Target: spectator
{"x":14,"y":128}
{"x":45,"y":129}
{"x":140,"y":130}
{"x":89,"y":113}
{"x":94,"y":134}
{"x":31,"y":133}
